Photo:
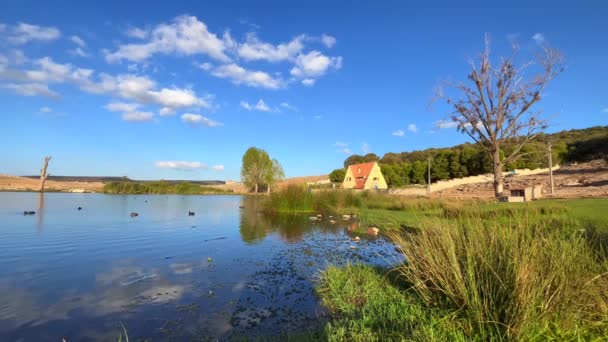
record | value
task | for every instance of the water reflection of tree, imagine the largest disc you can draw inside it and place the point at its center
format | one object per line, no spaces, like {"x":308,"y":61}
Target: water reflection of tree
{"x":40,"y":221}
{"x":254,"y":225}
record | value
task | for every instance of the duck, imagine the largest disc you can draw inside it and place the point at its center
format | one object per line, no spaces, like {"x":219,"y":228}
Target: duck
{"x":191,"y":213}
{"x":134,"y":214}
{"x":29,"y":213}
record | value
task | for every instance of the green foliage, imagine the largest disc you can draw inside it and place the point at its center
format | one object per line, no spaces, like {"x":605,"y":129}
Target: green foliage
{"x":495,"y":272}
{"x":337,"y":175}
{"x":367,"y":306}
{"x":403,"y":168}
{"x":258,"y":170}
{"x":160,"y":188}
{"x":527,"y":278}
{"x":357,"y":159}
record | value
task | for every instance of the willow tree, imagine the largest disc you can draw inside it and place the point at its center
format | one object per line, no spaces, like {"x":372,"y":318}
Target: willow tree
{"x":495,"y":106}
{"x":259,"y":170}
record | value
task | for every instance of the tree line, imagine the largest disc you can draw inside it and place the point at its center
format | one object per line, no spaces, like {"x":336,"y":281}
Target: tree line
{"x":464,"y":160}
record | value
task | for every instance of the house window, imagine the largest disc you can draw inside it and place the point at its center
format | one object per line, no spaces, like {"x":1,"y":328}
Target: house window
{"x":359,"y":177}
{"x":375,"y":178}
{"x":358,"y":170}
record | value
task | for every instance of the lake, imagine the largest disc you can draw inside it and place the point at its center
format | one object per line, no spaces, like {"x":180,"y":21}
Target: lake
{"x":226,"y":272}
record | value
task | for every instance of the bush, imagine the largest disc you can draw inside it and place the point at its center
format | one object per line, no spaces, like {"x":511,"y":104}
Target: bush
{"x":525,"y":280}
{"x":161,"y":187}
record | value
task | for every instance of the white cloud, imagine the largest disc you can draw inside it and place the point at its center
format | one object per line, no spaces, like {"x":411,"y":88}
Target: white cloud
{"x":539,"y":38}
{"x":49,"y":71}
{"x":318,"y":117}
{"x":80,"y":46}
{"x":286,"y":105}
{"x":412,"y":128}
{"x":78,"y":41}
{"x":254,"y":49}
{"x":246,"y":105}
{"x":197,"y":119}
{"x":180,"y":165}
{"x":309,"y":82}
{"x":45,"y":110}
{"x":30,"y":89}
{"x":23,"y":33}
{"x":78,"y":51}
{"x":186,"y":35}
{"x":260,"y":106}
{"x":340,"y":144}
{"x":240,"y":75}
{"x":399,"y":133}
{"x":446,"y":124}
{"x":178,"y":98}
{"x":365,"y":148}
{"x":605,"y":110}
{"x":314,"y":64}
{"x":218,"y":167}
{"x":166,"y":111}
{"x":328,"y":40}
{"x":121,"y":107}
{"x":142,"y":90}
{"x":206,"y":66}
{"x":137,"y":33}
{"x":138,"y":116}
{"x":344,"y":150}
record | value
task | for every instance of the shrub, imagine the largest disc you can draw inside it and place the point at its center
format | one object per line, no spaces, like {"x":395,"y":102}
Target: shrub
{"x":529,"y":279}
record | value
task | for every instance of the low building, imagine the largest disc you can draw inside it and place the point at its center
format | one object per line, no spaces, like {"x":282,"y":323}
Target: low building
{"x":525,"y":194}
{"x":365,"y":176}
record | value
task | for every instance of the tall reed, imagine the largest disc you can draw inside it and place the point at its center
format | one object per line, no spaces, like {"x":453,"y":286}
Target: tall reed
{"x":525,"y":279}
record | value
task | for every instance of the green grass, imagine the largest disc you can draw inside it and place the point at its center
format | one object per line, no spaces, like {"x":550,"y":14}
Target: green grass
{"x":476,"y":270}
{"x":160,"y":188}
{"x":470,"y":278}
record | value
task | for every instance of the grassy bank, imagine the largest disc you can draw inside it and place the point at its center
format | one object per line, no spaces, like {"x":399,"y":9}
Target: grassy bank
{"x":392,"y":213}
{"x":476,"y":270}
{"x":160,"y":188}
{"x":299,"y":199}
{"x":471,"y":278}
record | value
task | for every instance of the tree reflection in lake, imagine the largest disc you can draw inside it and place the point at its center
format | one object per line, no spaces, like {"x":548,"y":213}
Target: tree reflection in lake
{"x":255,"y":225}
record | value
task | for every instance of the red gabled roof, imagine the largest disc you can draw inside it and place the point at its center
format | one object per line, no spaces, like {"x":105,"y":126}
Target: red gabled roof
{"x":365,"y":168}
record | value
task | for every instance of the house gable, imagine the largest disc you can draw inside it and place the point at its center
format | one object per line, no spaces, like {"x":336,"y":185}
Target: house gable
{"x":364,"y":176}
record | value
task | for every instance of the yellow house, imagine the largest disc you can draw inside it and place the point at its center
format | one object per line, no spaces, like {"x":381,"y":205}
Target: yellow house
{"x":364,"y":176}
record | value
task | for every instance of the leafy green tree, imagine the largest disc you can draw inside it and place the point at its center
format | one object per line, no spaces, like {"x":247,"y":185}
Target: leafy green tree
{"x":275,"y":174}
{"x":259,"y":170}
{"x":337,"y":175}
{"x":418,"y":172}
{"x":353,"y":159}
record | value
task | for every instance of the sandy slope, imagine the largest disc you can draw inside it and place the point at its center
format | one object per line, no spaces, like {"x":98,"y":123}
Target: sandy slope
{"x":14,"y":183}
{"x":571,"y":181}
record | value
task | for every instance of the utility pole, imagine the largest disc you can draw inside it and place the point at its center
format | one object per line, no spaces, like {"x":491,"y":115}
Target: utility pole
{"x":550,"y":166}
{"x":428,"y":186}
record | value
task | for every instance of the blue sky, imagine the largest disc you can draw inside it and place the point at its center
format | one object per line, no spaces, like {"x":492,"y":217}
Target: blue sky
{"x":181,"y":89}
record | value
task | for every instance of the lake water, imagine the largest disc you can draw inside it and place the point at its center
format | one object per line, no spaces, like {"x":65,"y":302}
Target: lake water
{"x":225,"y":272}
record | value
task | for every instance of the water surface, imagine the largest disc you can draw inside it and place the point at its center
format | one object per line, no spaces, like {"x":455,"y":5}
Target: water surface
{"x":226,"y":271}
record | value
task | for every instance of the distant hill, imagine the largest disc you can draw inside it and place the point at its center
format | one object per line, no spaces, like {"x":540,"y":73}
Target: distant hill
{"x":402,"y":168}
{"x":120,"y":179}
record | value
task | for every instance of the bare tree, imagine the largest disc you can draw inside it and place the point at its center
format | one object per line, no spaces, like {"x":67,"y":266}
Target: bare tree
{"x":43,"y":174}
{"x":495,"y":107}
